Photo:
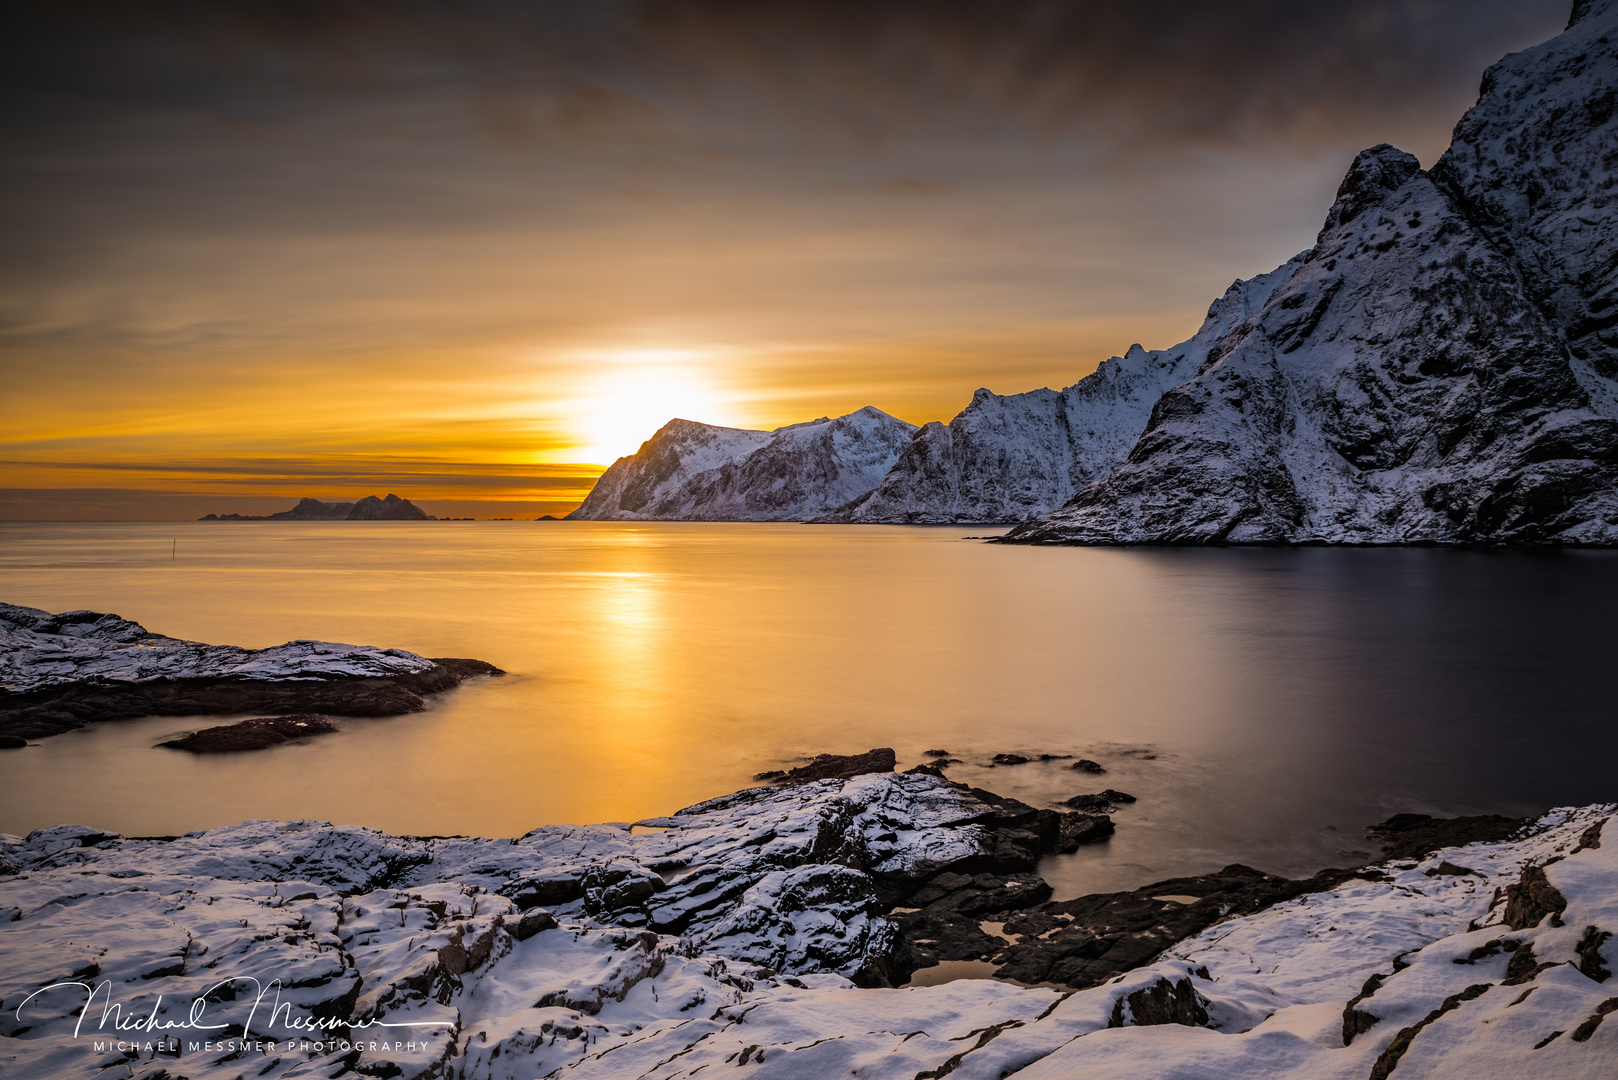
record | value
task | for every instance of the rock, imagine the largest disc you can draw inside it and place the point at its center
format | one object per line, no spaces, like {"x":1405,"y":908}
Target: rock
{"x":935,"y":753}
{"x":1531,"y":899}
{"x":370,"y":508}
{"x":12,"y":742}
{"x":1010,"y":759}
{"x":1592,"y":964}
{"x":391,"y":508}
{"x":841,"y":766}
{"x":1104,"y":802}
{"x":1442,"y":365}
{"x":1411,"y":836}
{"x":929,"y":770}
{"x":1011,"y":458}
{"x":60,"y":672}
{"x":254,"y":734}
{"x":697,"y":472}
{"x":1163,"y":1002}
{"x":1085,"y":765}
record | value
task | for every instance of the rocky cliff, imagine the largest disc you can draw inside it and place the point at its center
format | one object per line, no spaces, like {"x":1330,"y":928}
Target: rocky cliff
{"x":698,"y":472}
{"x":1007,"y":458}
{"x":1438,"y":368}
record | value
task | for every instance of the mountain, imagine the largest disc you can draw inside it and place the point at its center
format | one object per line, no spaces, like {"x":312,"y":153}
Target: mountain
{"x":1439,"y":367}
{"x":697,"y":472}
{"x":369,"y":508}
{"x":1007,"y":458}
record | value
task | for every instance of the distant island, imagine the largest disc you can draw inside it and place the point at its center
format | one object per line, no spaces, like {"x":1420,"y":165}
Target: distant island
{"x":370,"y":508}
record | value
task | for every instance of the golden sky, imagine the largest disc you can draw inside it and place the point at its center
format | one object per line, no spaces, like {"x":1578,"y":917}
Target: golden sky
{"x":257,"y":252}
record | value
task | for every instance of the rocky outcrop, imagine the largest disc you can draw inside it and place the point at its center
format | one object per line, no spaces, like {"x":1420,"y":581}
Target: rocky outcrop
{"x":255,"y":734}
{"x":370,"y":508}
{"x":698,"y":472}
{"x":1437,"y":369}
{"x":1007,"y":458}
{"x":545,"y":955}
{"x":59,"y":672}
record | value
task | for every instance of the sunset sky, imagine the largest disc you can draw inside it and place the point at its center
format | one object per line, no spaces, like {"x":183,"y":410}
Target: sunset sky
{"x":472,"y":253}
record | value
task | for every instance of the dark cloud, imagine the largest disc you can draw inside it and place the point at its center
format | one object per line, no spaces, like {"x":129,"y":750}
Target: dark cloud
{"x":1138,"y":71}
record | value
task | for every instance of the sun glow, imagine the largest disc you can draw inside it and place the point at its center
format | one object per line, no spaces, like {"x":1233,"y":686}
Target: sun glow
{"x":626,"y":396}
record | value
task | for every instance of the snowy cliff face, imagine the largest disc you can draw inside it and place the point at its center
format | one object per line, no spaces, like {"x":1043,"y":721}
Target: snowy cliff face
{"x":697,"y":472}
{"x":1007,"y":458}
{"x":1436,"y":369}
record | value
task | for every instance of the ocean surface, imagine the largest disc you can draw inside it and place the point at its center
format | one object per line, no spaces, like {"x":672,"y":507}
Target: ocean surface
{"x":1264,"y":704}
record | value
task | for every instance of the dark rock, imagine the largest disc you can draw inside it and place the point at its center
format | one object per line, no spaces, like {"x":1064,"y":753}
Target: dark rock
{"x":12,"y":742}
{"x":1162,"y":1002}
{"x":254,"y":734}
{"x":843,"y":766}
{"x":1591,"y":837}
{"x":1357,"y":1021}
{"x":1085,"y":765}
{"x":1104,"y":802}
{"x":1583,"y":1032}
{"x":533,"y":922}
{"x":1523,"y":966}
{"x":1531,"y":899}
{"x":1389,"y":1058}
{"x":1093,"y":938}
{"x":1053,"y":757}
{"x":1449,"y":869}
{"x":1010,"y":759}
{"x":929,"y":770}
{"x":1591,"y":962}
{"x":935,"y":753}
{"x":1414,"y":836}
{"x":771,"y":774}
{"x":55,"y":709}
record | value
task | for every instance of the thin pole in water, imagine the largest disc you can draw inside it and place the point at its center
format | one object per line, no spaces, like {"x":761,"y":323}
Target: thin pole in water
{"x":174,"y":552}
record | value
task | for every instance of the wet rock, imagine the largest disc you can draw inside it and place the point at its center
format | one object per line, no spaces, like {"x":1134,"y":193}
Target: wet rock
{"x":1531,"y":899}
{"x":935,"y":753}
{"x":1414,"y":836}
{"x":12,"y":742}
{"x":1085,"y":765}
{"x":254,"y":734}
{"x":1010,"y":759}
{"x":843,"y":766}
{"x":1083,"y":942}
{"x":925,"y":770}
{"x":1103,"y":802}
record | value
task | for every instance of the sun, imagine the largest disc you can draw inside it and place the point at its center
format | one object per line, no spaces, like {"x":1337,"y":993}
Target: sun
{"x":629,"y":395}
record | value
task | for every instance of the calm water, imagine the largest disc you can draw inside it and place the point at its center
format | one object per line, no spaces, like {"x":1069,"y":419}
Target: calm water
{"x":1264,"y":704}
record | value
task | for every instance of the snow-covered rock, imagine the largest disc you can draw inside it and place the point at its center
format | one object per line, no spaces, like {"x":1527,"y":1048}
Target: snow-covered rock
{"x":698,"y":472}
{"x":40,"y":650}
{"x":1486,"y":961}
{"x":59,"y":672}
{"x":1438,"y":368}
{"x":1007,"y":458}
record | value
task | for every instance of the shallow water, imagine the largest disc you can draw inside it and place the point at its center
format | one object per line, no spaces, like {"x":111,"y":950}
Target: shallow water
{"x":1264,"y":704}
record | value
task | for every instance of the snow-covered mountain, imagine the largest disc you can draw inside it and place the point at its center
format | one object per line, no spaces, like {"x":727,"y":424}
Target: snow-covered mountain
{"x":698,"y":472}
{"x":1013,"y":457}
{"x":1438,"y":368}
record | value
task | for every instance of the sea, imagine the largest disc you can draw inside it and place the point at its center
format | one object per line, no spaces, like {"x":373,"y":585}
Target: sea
{"x":1264,"y":705}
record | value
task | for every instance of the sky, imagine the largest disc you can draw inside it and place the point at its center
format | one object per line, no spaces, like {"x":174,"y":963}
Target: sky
{"x":255,"y":250}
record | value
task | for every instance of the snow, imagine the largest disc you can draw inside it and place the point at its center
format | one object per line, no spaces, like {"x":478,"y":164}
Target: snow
{"x":696,"y":472}
{"x":426,"y":931}
{"x":39,"y":650}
